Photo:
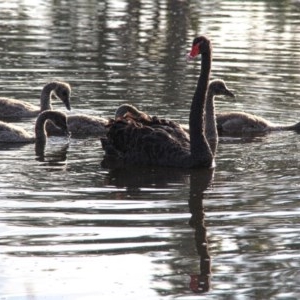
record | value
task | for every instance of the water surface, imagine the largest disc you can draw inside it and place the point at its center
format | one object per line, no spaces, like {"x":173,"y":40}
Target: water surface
{"x":73,"y":230}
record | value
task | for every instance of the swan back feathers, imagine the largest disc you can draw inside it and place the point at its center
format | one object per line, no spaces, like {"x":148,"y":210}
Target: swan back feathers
{"x":139,"y":144}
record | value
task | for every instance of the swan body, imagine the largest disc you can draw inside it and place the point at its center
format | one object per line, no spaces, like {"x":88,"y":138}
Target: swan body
{"x":81,"y":125}
{"x":10,"y":133}
{"x":241,"y":122}
{"x":84,"y":125}
{"x":13,"y":108}
{"x":216,"y":87}
{"x":173,"y":128}
{"x":133,"y":143}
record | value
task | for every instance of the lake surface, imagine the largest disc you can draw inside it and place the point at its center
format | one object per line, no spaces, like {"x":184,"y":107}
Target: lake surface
{"x":70,"y":229}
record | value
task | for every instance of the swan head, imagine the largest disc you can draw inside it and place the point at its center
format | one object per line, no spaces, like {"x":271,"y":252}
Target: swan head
{"x":128,"y":110}
{"x":58,"y":118}
{"x":200,"y":45}
{"x":63,"y":92}
{"x":218,"y":88}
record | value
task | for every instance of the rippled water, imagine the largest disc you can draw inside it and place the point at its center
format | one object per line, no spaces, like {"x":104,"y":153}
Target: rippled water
{"x":72,"y":230}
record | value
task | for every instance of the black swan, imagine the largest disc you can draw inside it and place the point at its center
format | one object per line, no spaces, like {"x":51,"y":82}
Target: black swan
{"x":133,"y":143}
{"x":216,"y":87}
{"x":10,"y":133}
{"x":241,"y":122}
{"x":176,"y":130}
{"x":12,"y":108}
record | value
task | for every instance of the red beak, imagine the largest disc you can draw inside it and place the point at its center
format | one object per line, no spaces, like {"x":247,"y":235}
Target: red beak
{"x":195,"y":51}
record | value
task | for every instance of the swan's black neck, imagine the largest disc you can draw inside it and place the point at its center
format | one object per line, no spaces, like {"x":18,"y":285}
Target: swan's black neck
{"x":199,"y":146}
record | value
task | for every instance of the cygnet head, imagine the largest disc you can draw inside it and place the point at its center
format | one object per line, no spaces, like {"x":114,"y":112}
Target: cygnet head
{"x":58,"y":118}
{"x":129,"y":110}
{"x":63,"y":92}
{"x":219,"y":88}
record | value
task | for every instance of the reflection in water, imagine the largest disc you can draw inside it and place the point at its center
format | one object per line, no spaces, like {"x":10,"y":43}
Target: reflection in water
{"x":139,"y":177}
{"x":199,"y":182}
{"x":58,"y":157}
{"x":102,"y":230}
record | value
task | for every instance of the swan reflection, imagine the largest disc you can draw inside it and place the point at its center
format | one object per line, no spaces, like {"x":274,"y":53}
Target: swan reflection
{"x":56,"y":157}
{"x":134,"y":179}
{"x":200,"y":283}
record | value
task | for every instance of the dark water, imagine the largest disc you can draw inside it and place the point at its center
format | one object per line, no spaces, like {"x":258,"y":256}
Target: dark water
{"x":72,"y":230}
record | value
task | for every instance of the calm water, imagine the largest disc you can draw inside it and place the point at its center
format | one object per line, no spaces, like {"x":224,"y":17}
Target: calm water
{"x":71,"y":230}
